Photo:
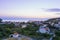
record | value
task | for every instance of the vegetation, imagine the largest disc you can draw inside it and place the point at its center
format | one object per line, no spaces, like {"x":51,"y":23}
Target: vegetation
{"x":0,"y":20}
{"x":7,"y":29}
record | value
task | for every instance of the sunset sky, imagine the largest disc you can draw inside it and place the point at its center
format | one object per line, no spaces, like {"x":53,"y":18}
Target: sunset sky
{"x":30,"y":8}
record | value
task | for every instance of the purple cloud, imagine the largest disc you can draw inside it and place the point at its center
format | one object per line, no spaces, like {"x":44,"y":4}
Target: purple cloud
{"x":53,"y":10}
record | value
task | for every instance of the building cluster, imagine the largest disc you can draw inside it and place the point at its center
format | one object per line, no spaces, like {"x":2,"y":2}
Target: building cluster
{"x":44,"y":26}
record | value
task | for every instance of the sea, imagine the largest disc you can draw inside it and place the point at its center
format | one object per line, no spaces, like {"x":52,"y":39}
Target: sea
{"x":25,"y":19}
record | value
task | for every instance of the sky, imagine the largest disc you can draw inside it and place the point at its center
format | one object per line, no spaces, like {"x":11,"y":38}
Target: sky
{"x":30,"y":8}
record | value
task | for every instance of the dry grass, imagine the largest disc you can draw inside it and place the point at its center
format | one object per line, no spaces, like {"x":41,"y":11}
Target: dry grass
{"x":25,"y":38}
{"x":12,"y":39}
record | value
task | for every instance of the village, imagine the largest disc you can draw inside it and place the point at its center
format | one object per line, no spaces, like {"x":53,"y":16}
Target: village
{"x":35,"y":30}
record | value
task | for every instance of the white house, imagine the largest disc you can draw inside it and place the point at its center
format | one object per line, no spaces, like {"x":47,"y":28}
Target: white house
{"x":16,"y":23}
{"x":23,"y":26}
{"x":57,"y":25}
{"x":58,"y":22}
{"x":44,"y":29}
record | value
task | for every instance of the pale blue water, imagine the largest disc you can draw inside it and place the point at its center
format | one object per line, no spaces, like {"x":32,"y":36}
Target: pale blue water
{"x":25,"y":19}
{"x":16,"y":20}
{"x":21,"y":19}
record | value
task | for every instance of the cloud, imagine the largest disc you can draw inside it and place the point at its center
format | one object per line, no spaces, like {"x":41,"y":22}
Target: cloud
{"x":53,"y":10}
{"x":57,"y":13}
